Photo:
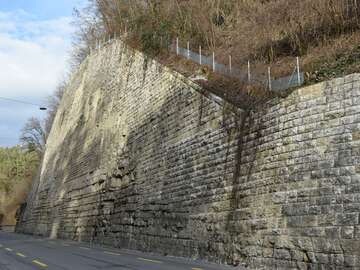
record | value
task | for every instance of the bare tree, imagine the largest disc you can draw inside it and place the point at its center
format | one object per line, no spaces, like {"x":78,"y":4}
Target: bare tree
{"x":35,"y":132}
{"x":33,"y":136}
{"x":90,"y":29}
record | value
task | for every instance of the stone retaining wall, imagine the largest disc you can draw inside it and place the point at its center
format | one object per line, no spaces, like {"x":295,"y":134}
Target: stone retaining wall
{"x":140,"y":157}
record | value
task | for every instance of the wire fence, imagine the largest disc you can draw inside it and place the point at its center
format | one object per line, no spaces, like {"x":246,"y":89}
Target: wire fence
{"x":296,"y":78}
{"x":251,"y":75}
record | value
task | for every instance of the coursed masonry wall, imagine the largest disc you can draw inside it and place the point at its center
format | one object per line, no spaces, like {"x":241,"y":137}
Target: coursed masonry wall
{"x":140,"y":157}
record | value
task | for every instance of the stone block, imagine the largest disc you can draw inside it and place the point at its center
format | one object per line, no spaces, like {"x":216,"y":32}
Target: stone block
{"x":347,"y":219}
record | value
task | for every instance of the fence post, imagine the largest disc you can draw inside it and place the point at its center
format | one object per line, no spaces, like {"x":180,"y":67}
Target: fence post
{"x":188,"y":50}
{"x":298,"y":70}
{"x":177,"y":46}
{"x":213,"y":62}
{"x":249,"y":74}
{"x":200,"y":55}
{"x":230,"y":64}
{"x":269,"y":74}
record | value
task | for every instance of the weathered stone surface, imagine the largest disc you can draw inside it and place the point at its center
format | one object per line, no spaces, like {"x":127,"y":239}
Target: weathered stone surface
{"x":140,"y":157}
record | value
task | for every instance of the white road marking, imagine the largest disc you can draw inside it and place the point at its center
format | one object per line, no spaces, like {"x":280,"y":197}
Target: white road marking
{"x":40,"y":263}
{"x":21,"y":255}
{"x":148,"y":260}
{"x":112,"y":253}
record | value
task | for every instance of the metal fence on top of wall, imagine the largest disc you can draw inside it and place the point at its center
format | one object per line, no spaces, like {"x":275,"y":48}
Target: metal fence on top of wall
{"x":247,"y":75}
{"x":273,"y":84}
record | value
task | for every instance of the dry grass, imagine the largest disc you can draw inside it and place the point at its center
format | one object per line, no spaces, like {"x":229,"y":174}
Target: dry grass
{"x":271,"y":32}
{"x":12,"y":200}
{"x":17,"y":169}
{"x":246,"y":29}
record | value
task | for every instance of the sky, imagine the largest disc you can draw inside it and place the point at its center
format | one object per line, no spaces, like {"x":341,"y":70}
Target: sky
{"x":35,"y":39}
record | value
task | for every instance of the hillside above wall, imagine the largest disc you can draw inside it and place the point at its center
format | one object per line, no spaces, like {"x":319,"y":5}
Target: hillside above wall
{"x":140,"y":157}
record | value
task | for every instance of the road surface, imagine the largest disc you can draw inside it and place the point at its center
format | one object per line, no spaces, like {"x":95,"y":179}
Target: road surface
{"x":23,"y":252}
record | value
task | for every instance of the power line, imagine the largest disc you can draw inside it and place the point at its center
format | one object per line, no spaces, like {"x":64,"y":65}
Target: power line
{"x":19,"y":101}
{"x":23,"y":102}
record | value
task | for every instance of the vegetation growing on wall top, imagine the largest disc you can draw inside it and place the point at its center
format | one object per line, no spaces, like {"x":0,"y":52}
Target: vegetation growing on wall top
{"x":268,"y":32}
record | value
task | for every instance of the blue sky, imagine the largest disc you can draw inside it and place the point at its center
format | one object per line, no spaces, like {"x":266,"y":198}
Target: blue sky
{"x":42,"y":9}
{"x":35,"y":38}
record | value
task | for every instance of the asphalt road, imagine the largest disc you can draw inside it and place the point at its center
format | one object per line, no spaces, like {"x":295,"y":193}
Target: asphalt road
{"x":23,"y":252}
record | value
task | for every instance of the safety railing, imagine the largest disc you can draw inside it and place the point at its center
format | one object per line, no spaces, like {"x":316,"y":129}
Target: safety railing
{"x":267,"y":81}
{"x":249,"y":74}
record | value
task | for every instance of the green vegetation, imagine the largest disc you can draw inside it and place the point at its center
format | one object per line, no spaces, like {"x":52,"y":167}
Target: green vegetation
{"x":324,"y":33}
{"x":17,"y":169}
{"x":265,"y":32}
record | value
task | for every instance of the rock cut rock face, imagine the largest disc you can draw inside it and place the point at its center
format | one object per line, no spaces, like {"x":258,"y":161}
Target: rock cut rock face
{"x":138,"y":157}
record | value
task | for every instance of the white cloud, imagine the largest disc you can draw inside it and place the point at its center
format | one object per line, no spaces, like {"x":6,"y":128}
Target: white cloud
{"x":32,"y":54}
{"x":33,"y":58}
